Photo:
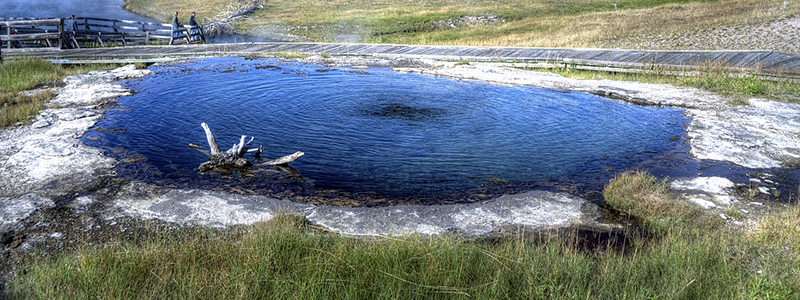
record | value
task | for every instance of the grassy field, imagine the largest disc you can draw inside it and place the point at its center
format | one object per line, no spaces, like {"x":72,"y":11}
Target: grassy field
{"x":681,"y":256}
{"x":26,"y":74}
{"x":540,"y":23}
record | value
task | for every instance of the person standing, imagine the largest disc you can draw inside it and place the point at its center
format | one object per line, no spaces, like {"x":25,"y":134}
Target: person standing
{"x":192,"y":22}
{"x":176,"y":25}
{"x":195,"y":31}
{"x":70,"y":29}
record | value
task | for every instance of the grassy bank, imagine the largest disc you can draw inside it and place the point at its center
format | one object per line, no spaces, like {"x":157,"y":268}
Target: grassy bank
{"x":714,"y":79}
{"x":681,"y":258}
{"x":25,"y":74}
{"x":541,"y":23}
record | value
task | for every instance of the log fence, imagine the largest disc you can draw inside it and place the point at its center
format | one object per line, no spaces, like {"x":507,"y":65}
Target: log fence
{"x":18,"y":34}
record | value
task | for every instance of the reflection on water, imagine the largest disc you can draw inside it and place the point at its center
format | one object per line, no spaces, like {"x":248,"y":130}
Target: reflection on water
{"x":376,"y":132}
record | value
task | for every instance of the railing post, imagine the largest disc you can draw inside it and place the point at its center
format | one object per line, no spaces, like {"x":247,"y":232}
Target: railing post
{"x":61,"y":34}
{"x":146,"y":34}
{"x":8,"y":35}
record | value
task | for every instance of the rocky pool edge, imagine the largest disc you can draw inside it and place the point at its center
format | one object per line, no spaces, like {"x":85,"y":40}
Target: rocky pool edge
{"x":46,"y":165}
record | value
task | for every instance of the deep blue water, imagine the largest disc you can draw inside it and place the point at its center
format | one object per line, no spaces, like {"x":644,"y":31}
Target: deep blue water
{"x":375,"y":131}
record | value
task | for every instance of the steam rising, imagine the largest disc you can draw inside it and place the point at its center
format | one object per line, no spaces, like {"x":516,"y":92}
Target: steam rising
{"x":109,"y":9}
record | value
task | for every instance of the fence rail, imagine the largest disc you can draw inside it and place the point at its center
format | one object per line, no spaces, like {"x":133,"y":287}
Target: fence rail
{"x":18,"y":34}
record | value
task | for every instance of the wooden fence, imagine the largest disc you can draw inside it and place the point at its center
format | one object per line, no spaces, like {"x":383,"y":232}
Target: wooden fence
{"x":20,"y":34}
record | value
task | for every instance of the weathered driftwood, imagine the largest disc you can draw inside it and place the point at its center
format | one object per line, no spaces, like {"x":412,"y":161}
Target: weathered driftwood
{"x":284,"y":160}
{"x":234,"y":157}
{"x":222,"y":23}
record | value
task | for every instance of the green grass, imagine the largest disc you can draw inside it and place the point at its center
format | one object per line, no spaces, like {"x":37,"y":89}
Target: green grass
{"x":286,"y":259}
{"x":648,"y":201}
{"x":713,"y":79}
{"x":25,"y":74}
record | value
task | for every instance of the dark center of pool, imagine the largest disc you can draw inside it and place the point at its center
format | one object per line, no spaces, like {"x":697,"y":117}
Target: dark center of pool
{"x":375,"y":132}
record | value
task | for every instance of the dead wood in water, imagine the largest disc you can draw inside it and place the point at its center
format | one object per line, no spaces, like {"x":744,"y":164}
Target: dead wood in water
{"x":234,"y":157}
{"x":284,"y":160}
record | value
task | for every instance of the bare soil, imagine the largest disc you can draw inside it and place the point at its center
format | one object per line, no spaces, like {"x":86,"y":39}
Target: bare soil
{"x":779,"y":35}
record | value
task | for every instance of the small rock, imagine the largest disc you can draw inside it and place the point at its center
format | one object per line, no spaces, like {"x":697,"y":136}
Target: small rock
{"x":57,"y":235}
{"x":765,"y":175}
{"x":756,"y":203}
{"x":723,"y":216}
{"x":40,"y":124}
{"x":712,"y":185}
{"x":764,"y":190}
{"x":81,"y":204}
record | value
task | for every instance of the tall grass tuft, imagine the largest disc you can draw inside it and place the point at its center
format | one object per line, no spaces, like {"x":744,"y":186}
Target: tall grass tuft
{"x":24,"y":74}
{"x":647,"y":200}
{"x":18,"y":108}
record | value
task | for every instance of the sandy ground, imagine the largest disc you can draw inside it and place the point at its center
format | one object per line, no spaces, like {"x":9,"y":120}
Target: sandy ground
{"x":779,"y":35}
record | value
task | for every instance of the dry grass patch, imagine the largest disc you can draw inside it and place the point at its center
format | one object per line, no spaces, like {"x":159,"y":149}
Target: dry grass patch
{"x":162,"y":10}
{"x":541,"y":23}
{"x":605,"y":29}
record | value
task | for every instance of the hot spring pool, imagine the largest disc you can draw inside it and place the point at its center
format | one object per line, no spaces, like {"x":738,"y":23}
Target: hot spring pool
{"x":375,"y":133}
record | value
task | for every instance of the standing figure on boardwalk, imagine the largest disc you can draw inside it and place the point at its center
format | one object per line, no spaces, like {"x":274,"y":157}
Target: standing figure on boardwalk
{"x":176,"y":25}
{"x":70,"y":30}
{"x":195,"y":32}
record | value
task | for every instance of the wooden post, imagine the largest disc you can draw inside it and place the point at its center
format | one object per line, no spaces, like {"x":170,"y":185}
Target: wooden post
{"x":8,"y":35}
{"x":100,"y":39}
{"x":61,"y":34}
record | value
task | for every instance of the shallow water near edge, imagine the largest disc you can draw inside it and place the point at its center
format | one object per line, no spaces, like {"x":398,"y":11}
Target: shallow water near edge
{"x":376,"y":134}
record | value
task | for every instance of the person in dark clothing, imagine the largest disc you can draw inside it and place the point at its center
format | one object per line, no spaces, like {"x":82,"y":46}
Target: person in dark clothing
{"x":195,"y":33}
{"x":192,"y":22}
{"x":16,"y":44}
{"x":176,"y":25}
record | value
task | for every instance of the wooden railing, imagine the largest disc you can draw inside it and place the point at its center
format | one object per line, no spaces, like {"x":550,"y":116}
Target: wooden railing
{"x":90,"y":32}
{"x":17,"y":33}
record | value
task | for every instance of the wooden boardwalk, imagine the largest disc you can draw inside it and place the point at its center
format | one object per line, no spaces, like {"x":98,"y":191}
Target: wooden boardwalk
{"x":765,"y":63}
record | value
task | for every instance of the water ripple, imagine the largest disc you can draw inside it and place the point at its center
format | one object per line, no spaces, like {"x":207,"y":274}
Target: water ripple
{"x":385,"y":133}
